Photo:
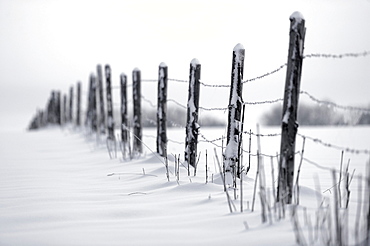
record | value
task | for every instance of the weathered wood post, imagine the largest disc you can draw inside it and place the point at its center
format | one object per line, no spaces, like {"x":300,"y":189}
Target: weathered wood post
{"x":89,"y":105}
{"x":192,"y":126}
{"x":70,"y":116}
{"x":101,"y":121}
{"x":65,"y":114}
{"x":58,"y":108}
{"x":162,"y":109}
{"x":78,"y":106}
{"x":94,"y":120}
{"x":136,"y":86}
{"x":110,"y":124}
{"x":52,"y":103}
{"x":49,"y":108}
{"x":235,"y":111}
{"x":289,"y":115}
{"x":124,"y":125}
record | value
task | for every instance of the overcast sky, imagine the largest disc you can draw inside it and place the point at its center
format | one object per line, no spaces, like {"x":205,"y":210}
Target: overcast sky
{"x":46,"y":45}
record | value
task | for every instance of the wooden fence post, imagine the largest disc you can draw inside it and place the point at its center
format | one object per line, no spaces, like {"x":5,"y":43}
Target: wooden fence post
{"x":70,"y":117}
{"x":52,"y":108}
{"x":101,"y":121}
{"x":78,"y":106}
{"x":64,"y":114}
{"x":94,"y":116}
{"x":89,"y":105}
{"x":235,"y":111}
{"x":124,"y":125}
{"x":289,"y":116}
{"x":192,"y":126}
{"x":110,"y":124}
{"x":162,"y":110}
{"x":136,"y":79}
{"x":58,"y":108}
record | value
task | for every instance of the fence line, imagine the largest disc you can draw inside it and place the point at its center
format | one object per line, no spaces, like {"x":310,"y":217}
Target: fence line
{"x":313,"y":139}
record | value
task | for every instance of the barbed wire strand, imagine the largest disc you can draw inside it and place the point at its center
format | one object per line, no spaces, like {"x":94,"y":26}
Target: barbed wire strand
{"x":331,"y":104}
{"x":312,"y":55}
{"x":149,"y":102}
{"x":266,"y":74}
{"x":176,"y":102}
{"x":179,"y":80}
{"x":314,"y":163}
{"x":329,"y":145}
{"x":264,"y":102}
{"x":337,"y":56}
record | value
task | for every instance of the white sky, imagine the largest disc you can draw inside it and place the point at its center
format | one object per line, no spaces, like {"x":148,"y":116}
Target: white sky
{"x":47,"y":45}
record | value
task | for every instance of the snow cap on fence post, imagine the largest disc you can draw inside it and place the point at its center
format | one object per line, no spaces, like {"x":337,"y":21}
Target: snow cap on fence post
{"x":162,"y":109}
{"x":289,"y":125}
{"x":192,"y":126}
{"x":297,"y":16}
{"x":235,"y":110}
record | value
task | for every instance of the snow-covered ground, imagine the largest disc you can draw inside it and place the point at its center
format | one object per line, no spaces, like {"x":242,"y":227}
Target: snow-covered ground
{"x":59,"y":187}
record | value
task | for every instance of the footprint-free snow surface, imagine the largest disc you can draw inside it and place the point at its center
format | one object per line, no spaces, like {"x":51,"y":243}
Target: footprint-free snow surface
{"x":60,"y":187}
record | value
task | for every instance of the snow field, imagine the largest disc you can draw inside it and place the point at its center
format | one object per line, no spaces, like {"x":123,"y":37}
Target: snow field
{"x":59,"y":187}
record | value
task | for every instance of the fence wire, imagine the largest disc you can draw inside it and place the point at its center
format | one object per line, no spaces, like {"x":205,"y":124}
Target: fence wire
{"x":333,"y":146}
{"x":334,"y":105}
{"x":337,"y":56}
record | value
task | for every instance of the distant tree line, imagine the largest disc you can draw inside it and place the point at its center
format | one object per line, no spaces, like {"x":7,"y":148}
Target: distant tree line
{"x":176,"y":117}
{"x":317,"y":115}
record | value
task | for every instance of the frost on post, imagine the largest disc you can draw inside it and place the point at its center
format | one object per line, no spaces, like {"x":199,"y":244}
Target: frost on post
{"x":136,"y":89}
{"x":235,"y":109}
{"x":290,"y":105}
{"x":101,"y":121}
{"x":162,"y":110}
{"x":192,"y":126}
{"x":110,"y":119}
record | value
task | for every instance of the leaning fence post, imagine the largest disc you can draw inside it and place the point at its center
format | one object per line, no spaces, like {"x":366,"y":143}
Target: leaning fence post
{"x":235,"y":111}
{"x":192,"y":126}
{"x":136,"y":79}
{"x":162,"y":109}
{"x":289,"y":116}
{"x":124,"y":125}
{"x":109,"y":103}
{"x":101,"y":121}
{"x":70,"y":117}
{"x":78,"y":106}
